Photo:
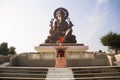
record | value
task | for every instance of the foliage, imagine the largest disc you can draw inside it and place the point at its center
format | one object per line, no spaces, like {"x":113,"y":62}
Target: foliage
{"x":4,"y":50}
{"x":12,"y":50}
{"x":112,"y":40}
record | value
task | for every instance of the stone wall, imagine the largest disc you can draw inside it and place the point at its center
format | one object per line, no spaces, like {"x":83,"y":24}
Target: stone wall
{"x":79,"y":55}
{"x":4,"y":59}
{"x":98,"y":60}
{"x":25,"y":61}
{"x":87,"y":59}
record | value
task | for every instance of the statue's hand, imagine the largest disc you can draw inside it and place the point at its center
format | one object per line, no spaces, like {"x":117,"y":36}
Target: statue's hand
{"x":51,"y":22}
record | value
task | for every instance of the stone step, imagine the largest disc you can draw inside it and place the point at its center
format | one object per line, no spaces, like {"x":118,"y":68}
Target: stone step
{"x":59,"y":73}
{"x":23,"y":70}
{"x":83,"y":78}
{"x":97,"y":69}
{"x":96,"y":74}
{"x":80,"y":73}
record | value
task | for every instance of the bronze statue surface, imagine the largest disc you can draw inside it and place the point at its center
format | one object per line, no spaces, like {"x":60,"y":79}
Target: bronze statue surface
{"x":61,"y":26}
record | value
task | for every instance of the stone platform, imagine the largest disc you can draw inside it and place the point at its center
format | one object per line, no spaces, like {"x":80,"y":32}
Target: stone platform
{"x":73,"y":59}
{"x":48,"y":51}
{"x":50,"y":47}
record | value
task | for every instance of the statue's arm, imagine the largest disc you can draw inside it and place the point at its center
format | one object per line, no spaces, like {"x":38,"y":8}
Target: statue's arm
{"x":55,"y":26}
{"x":51,"y":23}
{"x":70,"y":24}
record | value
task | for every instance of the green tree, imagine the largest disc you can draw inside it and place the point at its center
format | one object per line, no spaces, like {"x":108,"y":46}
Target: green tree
{"x":4,"y":48}
{"x":12,"y":50}
{"x":112,"y":40}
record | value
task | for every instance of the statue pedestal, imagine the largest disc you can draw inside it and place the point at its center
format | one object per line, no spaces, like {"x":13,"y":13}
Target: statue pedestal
{"x":48,"y":51}
{"x":60,"y":57}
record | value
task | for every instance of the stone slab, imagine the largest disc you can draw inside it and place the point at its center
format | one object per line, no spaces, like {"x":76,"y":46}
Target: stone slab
{"x":52,"y":48}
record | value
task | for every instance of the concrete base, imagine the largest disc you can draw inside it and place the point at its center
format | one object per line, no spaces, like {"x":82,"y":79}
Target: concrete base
{"x":79,"y":60}
{"x":71,"y":47}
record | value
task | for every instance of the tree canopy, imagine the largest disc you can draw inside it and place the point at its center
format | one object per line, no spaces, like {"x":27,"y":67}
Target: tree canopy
{"x":12,"y":50}
{"x":4,"y":50}
{"x":112,"y":40}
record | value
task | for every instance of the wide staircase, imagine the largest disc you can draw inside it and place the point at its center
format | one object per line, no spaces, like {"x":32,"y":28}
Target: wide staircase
{"x":97,"y":73}
{"x":70,"y":73}
{"x":23,"y":73}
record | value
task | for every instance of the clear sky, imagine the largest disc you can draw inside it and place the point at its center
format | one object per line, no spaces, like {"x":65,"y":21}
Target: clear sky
{"x":24,"y":24}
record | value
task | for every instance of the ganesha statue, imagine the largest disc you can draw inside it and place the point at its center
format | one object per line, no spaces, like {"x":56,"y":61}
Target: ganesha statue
{"x":61,"y":26}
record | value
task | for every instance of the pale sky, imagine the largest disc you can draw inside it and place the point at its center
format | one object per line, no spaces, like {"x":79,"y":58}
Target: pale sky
{"x":24,"y":24}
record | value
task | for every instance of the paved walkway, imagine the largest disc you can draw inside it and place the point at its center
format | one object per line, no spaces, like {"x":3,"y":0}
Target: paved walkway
{"x":4,"y":64}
